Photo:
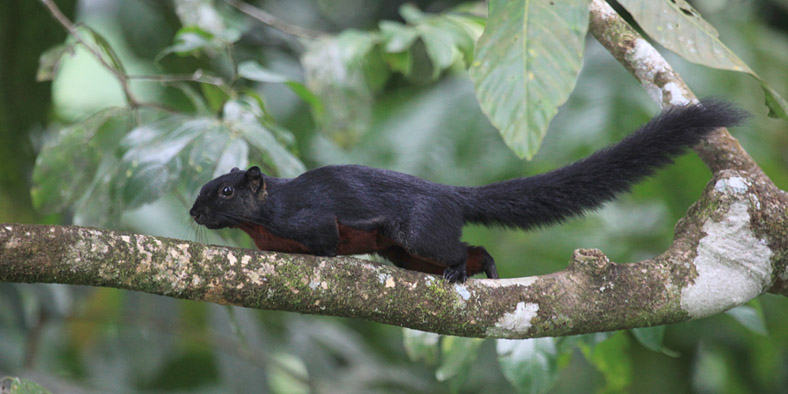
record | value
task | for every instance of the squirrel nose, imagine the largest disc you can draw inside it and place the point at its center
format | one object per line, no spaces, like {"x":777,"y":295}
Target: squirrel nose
{"x":195,"y":214}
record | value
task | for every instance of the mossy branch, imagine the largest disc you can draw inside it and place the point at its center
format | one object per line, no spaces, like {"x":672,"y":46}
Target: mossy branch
{"x":730,"y":248}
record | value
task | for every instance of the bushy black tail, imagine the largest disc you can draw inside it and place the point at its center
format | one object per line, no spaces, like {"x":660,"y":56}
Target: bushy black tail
{"x":588,"y":183}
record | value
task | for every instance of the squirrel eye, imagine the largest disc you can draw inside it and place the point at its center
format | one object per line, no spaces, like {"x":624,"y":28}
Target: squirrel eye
{"x":227,"y":191}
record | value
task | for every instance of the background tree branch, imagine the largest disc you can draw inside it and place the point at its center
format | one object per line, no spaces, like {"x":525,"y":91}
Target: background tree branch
{"x":664,"y":85}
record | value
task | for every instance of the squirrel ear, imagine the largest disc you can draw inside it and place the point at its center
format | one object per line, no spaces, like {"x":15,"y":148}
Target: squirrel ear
{"x":235,"y":169}
{"x":254,"y":177}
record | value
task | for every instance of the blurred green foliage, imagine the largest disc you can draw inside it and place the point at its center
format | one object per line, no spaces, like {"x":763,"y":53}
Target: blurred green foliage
{"x":386,"y":86}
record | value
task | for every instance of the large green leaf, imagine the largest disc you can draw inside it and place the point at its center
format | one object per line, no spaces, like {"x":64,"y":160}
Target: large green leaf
{"x":448,"y":38}
{"x":192,"y":40}
{"x":420,"y":345}
{"x":530,"y":365}
{"x":610,"y":357}
{"x":650,"y":337}
{"x":152,"y":160}
{"x":14,"y":385}
{"x":680,"y":28}
{"x":244,"y":119}
{"x":458,"y":354}
{"x":526,"y":64}
{"x":344,"y":71}
{"x":159,"y":155}
{"x":750,"y":316}
{"x":67,"y":164}
{"x":254,"y":71}
{"x":201,"y":13}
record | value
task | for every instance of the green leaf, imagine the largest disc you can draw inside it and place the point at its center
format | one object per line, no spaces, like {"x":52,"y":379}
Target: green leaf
{"x":67,"y":164}
{"x":344,"y":71}
{"x":14,"y":385}
{"x":253,"y":71}
{"x":49,"y":62}
{"x":397,"y":41}
{"x":711,"y":372}
{"x":215,"y":96}
{"x":396,"y":36}
{"x":305,"y":94}
{"x":200,"y":13}
{"x":204,"y":15}
{"x":447,"y":38}
{"x":193,"y":150}
{"x":680,"y":28}
{"x":778,"y":107}
{"x":611,"y":359}
{"x":401,"y":62}
{"x":526,"y":65}
{"x":151,"y":164}
{"x":420,"y":345}
{"x":197,"y":100}
{"x":749,"y":317}
{"x":243,"y":118}
{"x":191,"y":39}
{"x":652,"y":338}
{"x":457,"y":355}
{"x":676,"y":25}
{"x":289,"y":374}
{"x":101,"y":203}
{"x":106,"y":48}
{"x":411,"y":14}
{"x":214,"y":152}
{"x":530,"y":365}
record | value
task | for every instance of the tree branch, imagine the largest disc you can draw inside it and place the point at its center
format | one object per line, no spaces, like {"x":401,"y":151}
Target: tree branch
{"x":74,"y":32}
{"x":729,"y":249}
{"x":720,"y":150}
{"x":276,"y":23}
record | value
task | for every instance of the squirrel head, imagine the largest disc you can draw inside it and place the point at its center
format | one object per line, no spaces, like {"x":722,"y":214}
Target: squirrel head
{"x":230,"y":199}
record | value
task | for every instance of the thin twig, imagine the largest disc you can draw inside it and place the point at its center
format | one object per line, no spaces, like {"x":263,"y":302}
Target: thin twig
{"x":275,"y":22}
{"x":197,"y":76}
{"x":72,"y":30}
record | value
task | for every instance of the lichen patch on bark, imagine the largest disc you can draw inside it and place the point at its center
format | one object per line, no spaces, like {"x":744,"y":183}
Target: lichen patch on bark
{"x":734,"y":184}
{"x":515,"y":323}
{"x":733,"y":265}
{"x":648,"y":63}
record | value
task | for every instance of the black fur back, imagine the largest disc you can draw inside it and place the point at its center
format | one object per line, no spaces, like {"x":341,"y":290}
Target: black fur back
{"x":588,"y":183}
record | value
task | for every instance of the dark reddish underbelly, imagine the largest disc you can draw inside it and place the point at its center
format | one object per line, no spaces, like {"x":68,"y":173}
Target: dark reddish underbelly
{"x":351,"y":240}
{"x":355,"y":241}
{"x":265,"y":240}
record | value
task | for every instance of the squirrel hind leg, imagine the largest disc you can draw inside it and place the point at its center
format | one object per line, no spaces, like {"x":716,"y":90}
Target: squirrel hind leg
{"x":456,"y":273}
{"x":403,"y":259}
{"x":479,"y":260}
